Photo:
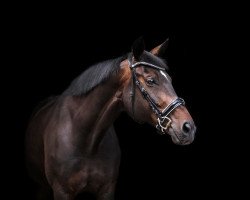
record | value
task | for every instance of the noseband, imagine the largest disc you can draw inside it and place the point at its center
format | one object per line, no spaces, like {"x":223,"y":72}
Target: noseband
{"x":163,"y":120}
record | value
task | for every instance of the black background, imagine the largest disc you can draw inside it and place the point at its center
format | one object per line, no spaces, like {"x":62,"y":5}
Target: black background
{"x":48,"y":48}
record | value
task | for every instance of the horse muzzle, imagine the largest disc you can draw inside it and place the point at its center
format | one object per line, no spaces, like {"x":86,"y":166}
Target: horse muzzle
{"x":184,"y":136}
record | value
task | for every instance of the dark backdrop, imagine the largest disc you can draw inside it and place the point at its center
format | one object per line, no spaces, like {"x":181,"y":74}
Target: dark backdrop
{"x":49,"y":49}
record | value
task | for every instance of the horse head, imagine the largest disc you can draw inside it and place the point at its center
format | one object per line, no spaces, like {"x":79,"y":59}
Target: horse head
{"x":149,"y":96}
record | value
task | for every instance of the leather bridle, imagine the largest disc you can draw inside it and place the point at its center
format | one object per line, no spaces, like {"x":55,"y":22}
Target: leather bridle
{"x":163,"y":119}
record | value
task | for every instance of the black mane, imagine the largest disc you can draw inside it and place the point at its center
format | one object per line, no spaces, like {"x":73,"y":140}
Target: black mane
{"x":100,"y":72}
{"x":93,"y":76}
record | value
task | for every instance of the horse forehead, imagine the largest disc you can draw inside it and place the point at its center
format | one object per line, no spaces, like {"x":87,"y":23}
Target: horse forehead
{"x":165,"y":75}
{"x":152,"y":59}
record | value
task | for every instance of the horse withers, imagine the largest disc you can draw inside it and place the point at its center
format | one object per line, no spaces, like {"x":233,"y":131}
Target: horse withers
{"x":71,"y":144}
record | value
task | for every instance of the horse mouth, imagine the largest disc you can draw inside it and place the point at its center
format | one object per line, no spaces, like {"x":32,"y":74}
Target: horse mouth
{"x":179,"y":139}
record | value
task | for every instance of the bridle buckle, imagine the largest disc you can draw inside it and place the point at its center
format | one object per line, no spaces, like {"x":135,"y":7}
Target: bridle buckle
{"x":160,"y":124}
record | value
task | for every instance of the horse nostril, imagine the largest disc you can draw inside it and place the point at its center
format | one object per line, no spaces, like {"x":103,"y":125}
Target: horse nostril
{"x":186,"y":127}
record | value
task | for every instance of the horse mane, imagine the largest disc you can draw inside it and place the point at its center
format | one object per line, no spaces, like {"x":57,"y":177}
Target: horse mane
{"x":94,"y":76}
{"x":100,"y":72}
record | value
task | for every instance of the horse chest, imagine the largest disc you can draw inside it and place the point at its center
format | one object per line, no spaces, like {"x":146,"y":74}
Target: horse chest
{"x":92,"y":174}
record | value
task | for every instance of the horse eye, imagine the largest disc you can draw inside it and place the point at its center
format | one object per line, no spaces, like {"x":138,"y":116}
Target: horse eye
{"x":150,"y":81}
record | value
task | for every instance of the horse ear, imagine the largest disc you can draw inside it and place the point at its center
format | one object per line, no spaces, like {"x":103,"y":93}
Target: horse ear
{"x":160,"y":49}
{"x":138,"y":48}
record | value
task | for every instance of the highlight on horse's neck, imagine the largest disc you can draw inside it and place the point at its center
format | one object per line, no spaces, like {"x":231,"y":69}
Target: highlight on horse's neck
{"x":106,"y":103}
{"x":105,"y":119}
{"x":112,"y":108}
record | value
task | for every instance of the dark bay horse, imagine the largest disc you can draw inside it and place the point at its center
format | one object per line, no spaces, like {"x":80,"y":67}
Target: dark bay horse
{"x":71,"y":144}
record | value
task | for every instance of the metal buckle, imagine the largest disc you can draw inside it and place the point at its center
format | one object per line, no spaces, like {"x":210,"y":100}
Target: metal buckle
{"x":160,"y":126}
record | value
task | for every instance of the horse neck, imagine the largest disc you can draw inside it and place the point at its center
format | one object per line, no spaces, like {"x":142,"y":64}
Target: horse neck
{"x":94,"y":113}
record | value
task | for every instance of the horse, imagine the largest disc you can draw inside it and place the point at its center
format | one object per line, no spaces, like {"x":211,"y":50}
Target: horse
{"x":71,"y":144}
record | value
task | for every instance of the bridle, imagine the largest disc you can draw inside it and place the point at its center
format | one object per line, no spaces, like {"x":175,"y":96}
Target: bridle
{"x":162,"y":116}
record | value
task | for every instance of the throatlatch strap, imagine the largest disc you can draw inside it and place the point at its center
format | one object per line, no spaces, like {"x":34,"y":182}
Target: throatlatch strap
{"x":133,"y":93}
